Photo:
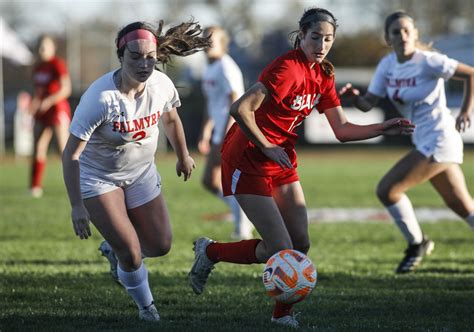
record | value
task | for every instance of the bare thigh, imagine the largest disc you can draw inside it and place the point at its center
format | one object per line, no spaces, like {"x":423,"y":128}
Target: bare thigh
{"x":109,"y":215}
{"x":62,"y":132}
{"x":152,"y":225}
{"x":413,"y":169}
{"x":264,"y":213}
{"x":451,"y":185}
{"x":212,"y":171}
{"x":291,"y":203}
{"x":42,"y":138}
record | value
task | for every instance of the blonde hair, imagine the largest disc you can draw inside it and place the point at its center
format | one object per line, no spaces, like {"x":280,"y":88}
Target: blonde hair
{"x":224,"y":38}
{"x":402,"y":14}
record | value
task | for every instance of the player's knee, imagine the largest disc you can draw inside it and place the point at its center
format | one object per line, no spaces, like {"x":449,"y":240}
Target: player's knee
{"x":387,"y":194}
{"x":161,"y":248}
{"x":209,"y":185}
{"x":272,"y":249}
{"x":129,"y":259}
{"x":302,"y":246}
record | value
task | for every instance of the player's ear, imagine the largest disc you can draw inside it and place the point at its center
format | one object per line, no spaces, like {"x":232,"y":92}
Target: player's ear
{"x":300,"y":35}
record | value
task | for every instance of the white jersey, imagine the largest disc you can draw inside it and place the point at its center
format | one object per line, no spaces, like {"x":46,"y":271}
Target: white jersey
{"x":416,"y":88}
{"x":122,"y":135}
{"x":220,"y":79}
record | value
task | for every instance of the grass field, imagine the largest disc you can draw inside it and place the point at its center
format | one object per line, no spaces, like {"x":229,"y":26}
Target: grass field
{"x":50,"y":280}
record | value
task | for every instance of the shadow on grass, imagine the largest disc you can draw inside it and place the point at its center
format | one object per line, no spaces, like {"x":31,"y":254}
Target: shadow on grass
{"x":340,"y":302}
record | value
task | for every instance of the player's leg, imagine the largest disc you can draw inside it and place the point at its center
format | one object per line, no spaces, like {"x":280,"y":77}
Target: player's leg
{"x":264,"y":214}
{"x":451,"y":185}
{"x":61,"y":131}
{"x":291,"y":203}
{"x":152,"y":224}
{"x":211,"y":180}
{"x":411,"y":170}
{"x":109,"y":215}
{"x":42,"y":137}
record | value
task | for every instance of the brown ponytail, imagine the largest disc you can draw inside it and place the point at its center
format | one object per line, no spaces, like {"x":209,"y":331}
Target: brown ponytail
{"x":181,"y":40}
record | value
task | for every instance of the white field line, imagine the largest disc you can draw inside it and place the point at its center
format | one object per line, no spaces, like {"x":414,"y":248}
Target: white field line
{"x":361,"y":215}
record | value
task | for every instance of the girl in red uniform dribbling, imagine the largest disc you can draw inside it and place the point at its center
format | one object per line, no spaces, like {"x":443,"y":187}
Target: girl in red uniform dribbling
{"x":259,"y":158}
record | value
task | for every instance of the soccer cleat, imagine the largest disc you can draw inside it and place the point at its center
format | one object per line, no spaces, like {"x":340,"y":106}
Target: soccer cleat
{"x":288,"y":321}
{"x":149,"y":313}
{"x":108,"y":253}
{"x":414,"y":255}
{"x":36,"y":192}
{"x":202,"y":265}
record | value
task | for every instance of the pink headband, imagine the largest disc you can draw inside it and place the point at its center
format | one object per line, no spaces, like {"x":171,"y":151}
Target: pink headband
{"x":136,"y":35}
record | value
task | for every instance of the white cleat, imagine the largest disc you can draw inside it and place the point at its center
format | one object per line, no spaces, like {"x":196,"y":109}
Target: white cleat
{"x":36,"y":192}
{"x":202,"y":265}
{"x":108,"y":253}
{"x":288,"y":321}
{"x":149,"y":314}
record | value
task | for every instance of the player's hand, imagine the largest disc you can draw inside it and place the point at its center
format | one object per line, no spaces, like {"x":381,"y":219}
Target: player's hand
{"x":349,"y":92}
{"x":45,"y":105}
{"x":278,"y":155}
{"x":185,"y":167}
{"x":463,"y":122}
{"x":204,"y":147}
{"x":398,"y":126}
{"x":34,"y":106}
{"x":81,"y":222}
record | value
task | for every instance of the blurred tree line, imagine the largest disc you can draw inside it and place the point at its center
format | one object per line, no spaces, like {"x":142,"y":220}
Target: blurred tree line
{"x":259,"y":32}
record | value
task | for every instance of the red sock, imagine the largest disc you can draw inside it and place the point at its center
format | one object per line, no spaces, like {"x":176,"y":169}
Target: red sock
{"x":37,"y":173}
{"x":281,"y":309}
{"x":242,"y":252}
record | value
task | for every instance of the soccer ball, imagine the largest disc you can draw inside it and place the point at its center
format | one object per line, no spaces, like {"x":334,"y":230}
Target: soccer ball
{"x":289,"y":276}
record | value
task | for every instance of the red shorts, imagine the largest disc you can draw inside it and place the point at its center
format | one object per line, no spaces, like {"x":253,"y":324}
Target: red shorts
{"x":54,"y":116}
{"x":236,"y":182}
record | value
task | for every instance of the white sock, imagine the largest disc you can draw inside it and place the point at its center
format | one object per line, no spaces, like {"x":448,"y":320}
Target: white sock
{"x":404,"y":215}
{"x":246,"y":226}
{"x":470,"y":220}
{"x":136,"y":283}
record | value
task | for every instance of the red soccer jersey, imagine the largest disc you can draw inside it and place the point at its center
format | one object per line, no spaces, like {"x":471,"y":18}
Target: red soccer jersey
{"x":294,"y":89}
{"x":46,"y":77}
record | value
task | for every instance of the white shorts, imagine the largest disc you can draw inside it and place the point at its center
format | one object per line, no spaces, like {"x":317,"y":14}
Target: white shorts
{"x":445,"y":146}
{"x":138,"y":192}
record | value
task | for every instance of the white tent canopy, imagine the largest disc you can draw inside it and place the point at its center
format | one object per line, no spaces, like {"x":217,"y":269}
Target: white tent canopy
{"x":12,"y":48}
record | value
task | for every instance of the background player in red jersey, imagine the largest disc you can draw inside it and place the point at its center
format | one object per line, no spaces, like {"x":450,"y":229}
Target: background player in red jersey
{"x":49,"y":106}
{"x":259,"y":158}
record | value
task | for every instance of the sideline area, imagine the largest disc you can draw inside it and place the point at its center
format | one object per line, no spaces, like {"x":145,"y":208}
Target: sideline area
{"x":362,"y":215}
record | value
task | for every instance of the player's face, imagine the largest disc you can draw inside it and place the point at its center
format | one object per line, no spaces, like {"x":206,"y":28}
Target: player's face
{"x":317,"y":41}
{"x":402,"y":36}
{"x":217,"y":50}
{"x":139,"y":59}
{"x":46,"y":49}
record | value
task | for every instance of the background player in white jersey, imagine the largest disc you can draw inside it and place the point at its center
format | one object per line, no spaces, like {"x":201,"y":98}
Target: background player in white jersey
{"x":108,"y":162}
{"x":222,"y":85}
{"x":413,"y":78}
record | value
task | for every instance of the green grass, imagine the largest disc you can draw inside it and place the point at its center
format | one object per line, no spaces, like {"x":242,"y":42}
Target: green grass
{"x":50,"y":280}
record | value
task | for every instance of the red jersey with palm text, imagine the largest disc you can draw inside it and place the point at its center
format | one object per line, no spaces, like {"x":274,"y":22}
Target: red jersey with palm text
{"x":295,"y":88}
